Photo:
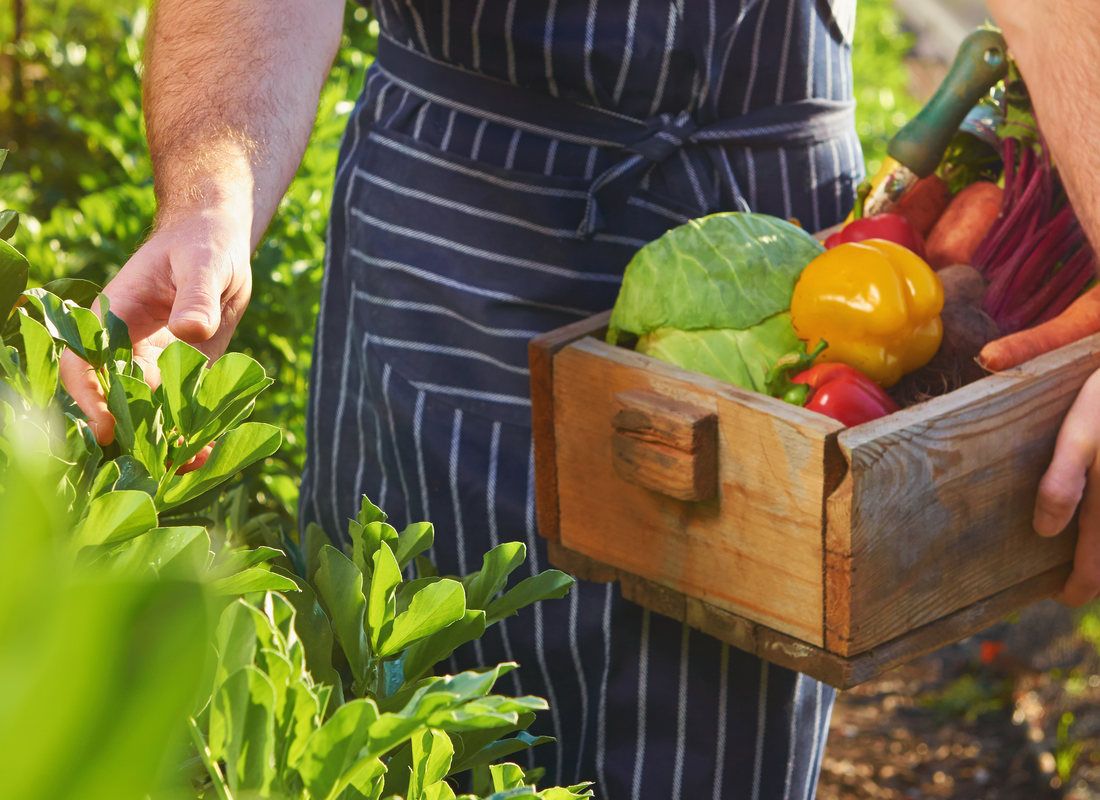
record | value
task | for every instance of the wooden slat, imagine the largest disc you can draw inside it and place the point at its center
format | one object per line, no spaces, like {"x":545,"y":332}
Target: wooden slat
{"x":755,"y":549}
{"x":540,"y":357}
{"x":935,"y":514}
{"x":787,"y":651}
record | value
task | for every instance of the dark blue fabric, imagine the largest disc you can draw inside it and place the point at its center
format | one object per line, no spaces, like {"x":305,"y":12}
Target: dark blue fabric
{"x":455,"y":236}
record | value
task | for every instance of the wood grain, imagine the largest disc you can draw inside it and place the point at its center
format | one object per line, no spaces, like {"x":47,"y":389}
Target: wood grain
{"x":665,"y":445}
{"x":935,"y":513}
{"x":540,"y":356}
{"x":755,"y":549}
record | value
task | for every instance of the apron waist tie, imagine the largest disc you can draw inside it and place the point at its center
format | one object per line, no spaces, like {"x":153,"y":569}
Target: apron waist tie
{"x":642,"y":143}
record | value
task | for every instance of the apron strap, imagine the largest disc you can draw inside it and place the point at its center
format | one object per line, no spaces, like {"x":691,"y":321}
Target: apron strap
{"x":642,"y":143}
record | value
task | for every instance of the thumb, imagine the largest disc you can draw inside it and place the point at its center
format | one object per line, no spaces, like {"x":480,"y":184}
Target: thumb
{"x":196,"y":310}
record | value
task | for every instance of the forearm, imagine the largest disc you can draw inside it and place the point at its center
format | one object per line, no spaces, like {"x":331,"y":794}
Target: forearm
{"x":1056,"y":44}
{"x":230,"y":94}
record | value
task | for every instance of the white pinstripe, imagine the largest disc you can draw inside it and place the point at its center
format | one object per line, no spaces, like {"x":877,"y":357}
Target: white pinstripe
{"x":681,"y":715}
{"x":761,"y":724}
{"x":513,"y":146}
{"x":548,"y":48}
{"x":465,"y":208}
{"x":447,"y":350}
{"x":340,"y":403}
{"x":387,"y":372}
{"x":781,"y":77}
{"x":601,"y":715}
{"x":814,"y":202}
{"x":488,"y":255}
{"x":359,"y":488}
{"x":784,"y":180}
{"x":432,"y":308}
{"x":385,"y":263}
{"x":720,"y":727}
{"x":540,"y":648}
{"x":693,"y":179}
{"x":589,"y":45}
{"x":708,"y":58}
{"x":816,"y":743}
{"x":418,"y":126}
{"x":418,"y":23}
{"x":418,"y":445}
{"x":445,"y":142}
{"x":675,"y":11}
{"x":461,"y":391}
{"x":475,"y":150}
{"x":551,"y":155}
{"x":475,"y":34}
{"x":812,"y":60}
{"x":819,"y":752}
{"x":731,"y":37}
{"x":793,"y":741}
{"x":628,"y":50}
{"x":494,"y":538}
{"x":456,"y":507}
{"x":509,"y":42}
{"x":590,"y":163}
{"x":575,"y":652}
{"x":829,"y":76}
{"x":668,"y":213}
{"x":750,"y":164}
{"x":397,"y":111}
{"x":380,"y":101}
{"x":754,"y":63}
{"x":836,"y":179}
{"x":643,"y":681}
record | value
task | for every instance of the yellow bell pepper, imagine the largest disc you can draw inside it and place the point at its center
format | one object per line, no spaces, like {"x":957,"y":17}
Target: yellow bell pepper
{"x":876,"y":305}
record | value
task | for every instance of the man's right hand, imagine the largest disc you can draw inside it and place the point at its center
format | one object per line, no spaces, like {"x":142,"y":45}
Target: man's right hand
{"x":191,"y":281}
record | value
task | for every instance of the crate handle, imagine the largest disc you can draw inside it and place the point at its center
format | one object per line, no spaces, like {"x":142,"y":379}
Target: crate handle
{"x":667,"y":445}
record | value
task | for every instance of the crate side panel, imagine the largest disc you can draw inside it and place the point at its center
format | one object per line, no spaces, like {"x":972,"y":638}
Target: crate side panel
{"x":942,"y":498}
{"x":755,"y":549}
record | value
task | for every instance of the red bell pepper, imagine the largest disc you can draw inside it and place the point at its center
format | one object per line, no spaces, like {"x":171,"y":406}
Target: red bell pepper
{"x":891,"y":227}
{"x":845,"y":394}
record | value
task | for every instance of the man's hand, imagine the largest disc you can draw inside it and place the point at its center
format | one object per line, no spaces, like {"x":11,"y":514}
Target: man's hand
{"x":189,"y":281}
{"x":1072,"y":480}
{"x":1056,"y":45}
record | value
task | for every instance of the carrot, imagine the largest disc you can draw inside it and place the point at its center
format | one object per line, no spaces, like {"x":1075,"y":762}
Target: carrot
{"x":964,"y":224}
{"x":923,"y":203}
{"x":1080,"y":319}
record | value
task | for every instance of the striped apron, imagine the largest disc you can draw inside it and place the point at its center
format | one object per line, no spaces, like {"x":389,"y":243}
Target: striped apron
{"x":502,"y":165}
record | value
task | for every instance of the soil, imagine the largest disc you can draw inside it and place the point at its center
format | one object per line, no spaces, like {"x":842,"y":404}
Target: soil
{"x":1013,"y":714}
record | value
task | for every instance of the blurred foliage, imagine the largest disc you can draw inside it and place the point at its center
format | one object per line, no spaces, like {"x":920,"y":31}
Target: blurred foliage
{"x":75,"y":134}
{"x":883,"y":100}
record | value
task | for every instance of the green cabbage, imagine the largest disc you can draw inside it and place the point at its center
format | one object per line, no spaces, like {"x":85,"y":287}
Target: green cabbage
{"x":712,"y":296}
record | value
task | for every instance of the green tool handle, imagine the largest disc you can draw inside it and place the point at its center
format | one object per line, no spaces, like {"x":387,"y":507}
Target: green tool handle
{"x":982,"y":60}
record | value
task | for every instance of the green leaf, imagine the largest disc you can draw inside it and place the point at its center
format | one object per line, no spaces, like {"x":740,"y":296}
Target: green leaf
{"x":138,"y":425}
{"x":78,"y":328}
{"x":314,"y":629}
{"x":242,"y":730}
{"x":498,"y":749}
{"x":506,"y":776}
{"x":105,"y":479}
{"x":335,"y":747}
{"x":13,"y":278}
{"x":549,"y":585}
{"x":381,"y":602}
{"x":41,"y":360}
{"x":133,"y":475}
{"x":496,"y":566}
{"x":728,"y":270}
{"x":429,"y":651}
{"x":742,"y":357}
{"x":233,"y":561}
{"x":339,"y":585}
{"x":9,"y":223}
{"x":179,"y":552}
{"x":414,"y":540}
{"x":366,"y":539}
{"x":432,"y":609}
{"x":181,"y":367}
{"x":255,"y":579}
{"x":78,"y":290}
{"x":116,"y":516}
{"x":432,"y":752}
{"x":236,"y":450}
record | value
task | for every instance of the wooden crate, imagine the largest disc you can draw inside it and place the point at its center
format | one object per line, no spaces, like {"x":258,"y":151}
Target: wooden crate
{"x":837,"y":552}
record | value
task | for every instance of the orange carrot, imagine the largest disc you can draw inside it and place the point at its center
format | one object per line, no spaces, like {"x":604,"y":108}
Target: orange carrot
{"x":924,"y":202}
{"x":963,"y":225}
{"x":1080,"y":319}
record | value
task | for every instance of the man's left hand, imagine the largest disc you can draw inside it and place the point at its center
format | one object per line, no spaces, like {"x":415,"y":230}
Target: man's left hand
{"x":1072,"y":482}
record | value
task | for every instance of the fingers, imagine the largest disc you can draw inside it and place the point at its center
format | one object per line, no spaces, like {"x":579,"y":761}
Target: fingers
{"x":1084,"y":582}
{"x":1063,"y":485}
{"x":200,"y":281}
{"x":82,"y":385}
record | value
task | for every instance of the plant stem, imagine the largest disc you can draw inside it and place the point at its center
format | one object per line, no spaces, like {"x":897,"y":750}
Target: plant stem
{"x":212,"y":768}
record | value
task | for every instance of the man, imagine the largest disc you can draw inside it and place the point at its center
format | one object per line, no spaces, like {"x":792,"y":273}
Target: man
{"x":503,"y":164}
